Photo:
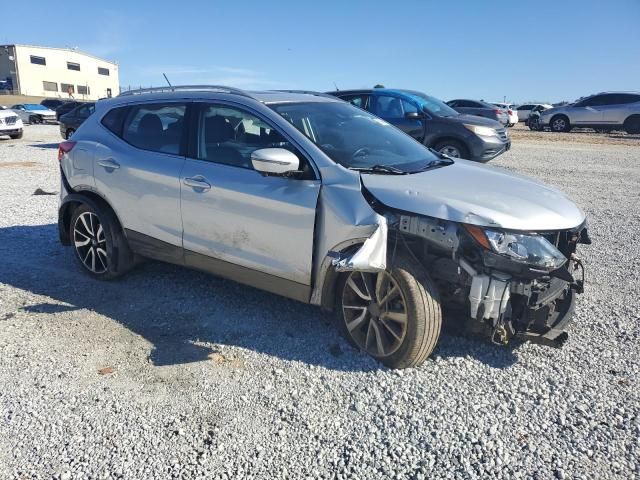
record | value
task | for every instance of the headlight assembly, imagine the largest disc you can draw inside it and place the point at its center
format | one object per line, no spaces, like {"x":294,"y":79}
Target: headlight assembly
{"x":482,"y":131}
{"x":533,"y":250}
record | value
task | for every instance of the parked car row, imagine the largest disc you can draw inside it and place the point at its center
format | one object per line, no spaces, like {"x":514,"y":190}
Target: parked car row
{"x":336,"y":208}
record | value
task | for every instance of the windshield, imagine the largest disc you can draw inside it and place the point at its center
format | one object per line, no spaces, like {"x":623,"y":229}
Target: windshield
{"x":434,"y":105}
{"x":33,"y":106}
{"x":354,"y":138}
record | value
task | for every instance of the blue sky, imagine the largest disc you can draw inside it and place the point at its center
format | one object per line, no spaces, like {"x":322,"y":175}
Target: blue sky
{"x":525,"y":50}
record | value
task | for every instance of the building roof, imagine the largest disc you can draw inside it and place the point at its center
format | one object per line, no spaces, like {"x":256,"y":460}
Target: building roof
{"x":67,"y":49}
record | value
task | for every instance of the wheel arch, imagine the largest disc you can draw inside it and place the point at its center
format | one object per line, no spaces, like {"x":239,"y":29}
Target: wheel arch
{"x":73,"y":201}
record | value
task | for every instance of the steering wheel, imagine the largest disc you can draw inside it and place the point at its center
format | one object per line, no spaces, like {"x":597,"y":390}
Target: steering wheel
{"x":361,"y":151}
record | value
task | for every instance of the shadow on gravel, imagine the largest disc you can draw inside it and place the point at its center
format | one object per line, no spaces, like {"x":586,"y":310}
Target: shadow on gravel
{"x":182,"y":312}
{"x":45,"y":146}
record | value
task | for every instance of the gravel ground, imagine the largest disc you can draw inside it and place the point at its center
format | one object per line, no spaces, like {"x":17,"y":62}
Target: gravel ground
{"x":173,"y":373}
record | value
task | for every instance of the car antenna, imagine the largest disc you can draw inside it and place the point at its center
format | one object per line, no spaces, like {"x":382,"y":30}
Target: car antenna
{"x":337,"y":89}
{"x":165,"y":77}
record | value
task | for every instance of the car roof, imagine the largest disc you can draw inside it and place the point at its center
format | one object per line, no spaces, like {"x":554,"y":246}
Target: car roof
{"x":213,"y":92}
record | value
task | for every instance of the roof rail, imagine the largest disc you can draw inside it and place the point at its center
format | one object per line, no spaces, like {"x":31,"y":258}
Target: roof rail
{"x":194,"y":88}
{"x":308,"y":92}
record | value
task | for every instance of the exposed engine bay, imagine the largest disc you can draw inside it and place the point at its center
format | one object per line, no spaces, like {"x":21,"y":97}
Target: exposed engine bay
{"x":510,"y":284}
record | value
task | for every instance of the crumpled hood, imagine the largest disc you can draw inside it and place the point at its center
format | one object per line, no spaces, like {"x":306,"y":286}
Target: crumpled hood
{"x":478,"y":194}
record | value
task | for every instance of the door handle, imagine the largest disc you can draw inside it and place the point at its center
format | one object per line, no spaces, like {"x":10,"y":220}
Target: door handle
{"x":109,"y":164}
{"x":198,"y":182}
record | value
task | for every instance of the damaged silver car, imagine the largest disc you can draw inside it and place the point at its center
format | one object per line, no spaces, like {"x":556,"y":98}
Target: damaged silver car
{"x":309,"y":197}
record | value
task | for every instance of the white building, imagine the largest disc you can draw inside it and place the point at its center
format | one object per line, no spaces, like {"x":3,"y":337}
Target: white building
{"x":56,"y":72}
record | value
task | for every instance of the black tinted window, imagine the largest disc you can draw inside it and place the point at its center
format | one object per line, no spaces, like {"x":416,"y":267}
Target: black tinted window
{"x":155,"y":127}
{"x":114,"y":119}
{"x":525,"y":107}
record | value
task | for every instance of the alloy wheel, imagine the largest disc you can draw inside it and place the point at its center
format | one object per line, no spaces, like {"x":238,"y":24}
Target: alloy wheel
{"x":90,"y":242}
{"x":375,"y":312}
{"x":559,"y":124}
{"x":450,"y":151}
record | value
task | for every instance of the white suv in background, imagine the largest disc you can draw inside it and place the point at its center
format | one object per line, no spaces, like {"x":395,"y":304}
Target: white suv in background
{"x":511,"y":111}
{"x":10,"y":124}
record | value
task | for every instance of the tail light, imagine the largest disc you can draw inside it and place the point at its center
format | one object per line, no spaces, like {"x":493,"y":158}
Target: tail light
{"x":65,"y":147}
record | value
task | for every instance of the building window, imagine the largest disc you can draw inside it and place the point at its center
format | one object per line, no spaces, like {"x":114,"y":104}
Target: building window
{"x":103,"y":71}
{"x":38,"y":60}
{"x":50,"y":86}
{"x":83,"y":89}
{"x":67,"y":88}
{"x":73,"y":66}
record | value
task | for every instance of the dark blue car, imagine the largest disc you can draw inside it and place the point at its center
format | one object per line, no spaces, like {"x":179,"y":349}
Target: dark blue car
{"x":433,"y":123}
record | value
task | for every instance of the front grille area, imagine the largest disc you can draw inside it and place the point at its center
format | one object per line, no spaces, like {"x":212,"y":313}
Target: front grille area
{"x":11,"y":120}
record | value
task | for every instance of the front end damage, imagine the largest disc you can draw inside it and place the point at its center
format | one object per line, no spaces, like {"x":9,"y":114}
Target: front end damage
{"x":526,"y":294}
{"x":501,"y":296}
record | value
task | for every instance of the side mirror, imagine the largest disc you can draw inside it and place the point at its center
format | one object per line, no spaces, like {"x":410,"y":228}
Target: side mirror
{"x":413,"y":115}
{"x":274,"y":161}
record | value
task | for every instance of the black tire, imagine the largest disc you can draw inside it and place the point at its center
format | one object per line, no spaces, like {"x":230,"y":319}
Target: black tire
{"x":422,"y":310}
{"x":632,"y":124}
{"x":69,"y":132}
{"x":448,"y":147}
{"x":16,"y":136}
{"x":560,"y":123}
{"x":118,"y":258}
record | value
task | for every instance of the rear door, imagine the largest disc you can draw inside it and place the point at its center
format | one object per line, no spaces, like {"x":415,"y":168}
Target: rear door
{"x":616,"y":109}
{"x":394,"y":109}
{"x":138,"y":169}
{"x":237,"y":222}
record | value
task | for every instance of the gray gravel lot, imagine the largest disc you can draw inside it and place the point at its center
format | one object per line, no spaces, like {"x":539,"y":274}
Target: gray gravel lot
{"x":173,"y":373}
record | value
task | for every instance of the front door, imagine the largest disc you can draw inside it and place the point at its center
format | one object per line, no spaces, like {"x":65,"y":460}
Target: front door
{"x":395,"y":109}
{"x":588,"y":111}
{"x":140,"y":175}
{"x":238,"y":223}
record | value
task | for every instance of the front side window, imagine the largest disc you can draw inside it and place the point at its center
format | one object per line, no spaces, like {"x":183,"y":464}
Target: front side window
{"x":229,"y":136}
{"x":388,"y":107}
{"x":155,"y":127}
{"x":354,"y":138}
{"x":85,"y":111}
{"x":525,"y":107}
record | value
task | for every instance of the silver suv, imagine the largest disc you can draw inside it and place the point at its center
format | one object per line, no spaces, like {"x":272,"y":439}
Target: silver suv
{"x":604,"y":112}
{"x":307,"y":196}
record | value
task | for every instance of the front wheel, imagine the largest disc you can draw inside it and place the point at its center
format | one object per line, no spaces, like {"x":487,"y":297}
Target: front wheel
{"x":16,"y":136}
{"x":560,"y":123}
{"x":452,"y":148}
{"x":394,"y":315}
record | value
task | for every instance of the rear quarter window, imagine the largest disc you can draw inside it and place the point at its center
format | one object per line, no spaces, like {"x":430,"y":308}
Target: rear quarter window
{"x":114,"y":120}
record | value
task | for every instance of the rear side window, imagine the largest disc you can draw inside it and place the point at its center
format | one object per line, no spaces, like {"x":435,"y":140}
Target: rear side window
{"x":114,"y":119}
{"x":155,"y":127}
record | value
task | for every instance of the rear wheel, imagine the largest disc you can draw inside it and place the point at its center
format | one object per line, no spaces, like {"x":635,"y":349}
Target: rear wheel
{"x":99,"y":244}
{"x":393,"y":315}
{"x":632,"y":124}
{"x":560,"y":123}
{"x":452,"y":148}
